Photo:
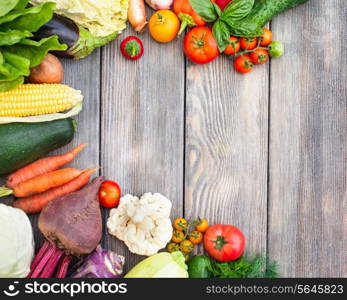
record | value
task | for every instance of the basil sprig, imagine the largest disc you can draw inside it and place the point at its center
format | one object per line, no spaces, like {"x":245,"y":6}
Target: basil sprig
{"x":206,"y":9}
{"x":237,"y":10}
{"x":225,"y":21}
{"x":221,"y":34}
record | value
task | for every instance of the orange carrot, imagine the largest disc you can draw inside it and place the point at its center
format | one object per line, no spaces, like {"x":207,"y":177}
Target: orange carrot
{"x":36,"y":203}
{"x":42,"y":166}
{"x":45,"y":182}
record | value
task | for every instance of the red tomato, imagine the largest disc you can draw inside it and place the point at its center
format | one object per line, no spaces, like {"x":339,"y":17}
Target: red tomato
{"x":200,"y":45}
{"x":224,"y":242}
{"x":248,"y":43}
{"x":266,"y":38}
{"x":259,"y":56}
{"x":233,"y":47}
{"x":243,"y":64}
{"x":109,"y":194}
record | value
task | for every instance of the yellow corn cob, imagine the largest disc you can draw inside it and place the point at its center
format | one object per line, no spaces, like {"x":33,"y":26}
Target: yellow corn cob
{"x":38,"y":99}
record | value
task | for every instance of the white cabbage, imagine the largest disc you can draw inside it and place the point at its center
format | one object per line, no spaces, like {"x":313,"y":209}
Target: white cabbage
{"x":16,"y":243}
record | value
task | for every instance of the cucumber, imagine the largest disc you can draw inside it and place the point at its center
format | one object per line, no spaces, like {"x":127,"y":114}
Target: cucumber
{"x":199,"y":267}
{"x":23,"y":143}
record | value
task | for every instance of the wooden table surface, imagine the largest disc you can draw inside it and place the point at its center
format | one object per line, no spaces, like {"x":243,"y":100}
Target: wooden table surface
{"x":265,"y":152}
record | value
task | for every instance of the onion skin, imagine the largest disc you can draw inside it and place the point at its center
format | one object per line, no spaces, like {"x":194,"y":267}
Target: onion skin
{"x":137,"y":14}
{"x":159,"y":4}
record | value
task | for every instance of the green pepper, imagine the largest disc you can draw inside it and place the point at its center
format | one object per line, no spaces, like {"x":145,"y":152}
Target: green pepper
{"x":199,"y":267}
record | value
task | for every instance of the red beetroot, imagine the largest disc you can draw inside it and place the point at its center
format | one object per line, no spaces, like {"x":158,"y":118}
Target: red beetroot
{"x":72,"y":225}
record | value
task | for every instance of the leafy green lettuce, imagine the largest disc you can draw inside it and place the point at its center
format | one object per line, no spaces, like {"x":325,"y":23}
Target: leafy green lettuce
{"x":18,"y":53}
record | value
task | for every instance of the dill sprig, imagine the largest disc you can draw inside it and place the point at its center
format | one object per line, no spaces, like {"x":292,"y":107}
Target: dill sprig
{"x":259,"y":267}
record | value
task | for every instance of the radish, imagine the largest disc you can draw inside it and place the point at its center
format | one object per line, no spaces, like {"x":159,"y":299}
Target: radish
{"x":72,"y":226}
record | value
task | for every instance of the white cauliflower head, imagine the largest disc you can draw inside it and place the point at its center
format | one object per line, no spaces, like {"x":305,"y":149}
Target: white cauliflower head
{"x":143,"y":224}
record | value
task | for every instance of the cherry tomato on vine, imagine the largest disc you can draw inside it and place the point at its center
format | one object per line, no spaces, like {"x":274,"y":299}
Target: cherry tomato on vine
{"x":180,"y":224}
{"x":248,"y":43}
{"x":200,"y":45}
{"x":259,"y":56}
{"x":109,"y":194}
{"x":276,"y":49}
{"x":243,"y":64}
{"x":172,"y":247}
{"x":177,"y":236}
{"x":195,"y":237}
{"x":266,"y":37}
{"x":186,"y":246}
{"x":202,"y":225}
{"x":233,"y":47}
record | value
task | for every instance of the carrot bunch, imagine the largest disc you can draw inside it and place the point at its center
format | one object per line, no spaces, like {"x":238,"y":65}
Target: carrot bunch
{"x":42,"y":181}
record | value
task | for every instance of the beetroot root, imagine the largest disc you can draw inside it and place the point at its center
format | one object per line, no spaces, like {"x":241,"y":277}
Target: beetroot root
{"x":73,"y":222}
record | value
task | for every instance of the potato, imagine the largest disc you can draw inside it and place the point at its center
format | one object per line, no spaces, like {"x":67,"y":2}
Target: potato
{"x":49,"y":71}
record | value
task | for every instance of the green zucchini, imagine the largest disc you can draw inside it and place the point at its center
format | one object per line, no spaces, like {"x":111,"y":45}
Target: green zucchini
{"x":23,"y":143}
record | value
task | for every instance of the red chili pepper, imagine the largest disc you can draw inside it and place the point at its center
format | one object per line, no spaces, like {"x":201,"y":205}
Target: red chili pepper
{"x":132,"y":48}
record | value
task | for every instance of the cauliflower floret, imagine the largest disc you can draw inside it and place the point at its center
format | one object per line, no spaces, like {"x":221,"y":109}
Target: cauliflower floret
{"x":143,"y":224}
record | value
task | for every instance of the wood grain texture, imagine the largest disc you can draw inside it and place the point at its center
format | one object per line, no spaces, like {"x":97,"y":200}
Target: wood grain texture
{"x":226,"y":148}
{"x":85,"y":76}
{"x":200,"y":136}
{"x":142,"y":124}
{"x":307,"y":194}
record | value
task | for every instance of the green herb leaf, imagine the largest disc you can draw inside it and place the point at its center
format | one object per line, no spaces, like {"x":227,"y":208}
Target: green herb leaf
{"x":222,"y":34}
{"x":7,"y":5}
{"x":205,"y":9}
{"x":217,"y":9}
{"x":237,"y":10}
{"x":13,"y":66}
{"x":244,"y":268}
{"x":244,"y":29}
{"x":11,"y":84}
{"x":11,"y":37}
{"x":35,"y":51}
{"x":262,"y":12}
{"x":21,"y":4}
{"x":30,"y":19}
{"x":18,"y":53}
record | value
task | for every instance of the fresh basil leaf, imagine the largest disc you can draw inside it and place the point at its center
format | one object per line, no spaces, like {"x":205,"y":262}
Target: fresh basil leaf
{"x":7,"y":5}
{"x":237,"y":10}
{"x":221,"y":34}
{"x":30,"y":19}
{"x":205,"y":9}
{"x":217,"y":9}
{"x":244,"y":29}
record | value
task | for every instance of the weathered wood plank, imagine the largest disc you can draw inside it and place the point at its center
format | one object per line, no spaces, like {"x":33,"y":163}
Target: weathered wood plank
{"x":142,"y":123}
{"x":226,"y":148}
{"x":308,"y":142}
{"x":84,"y":75}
